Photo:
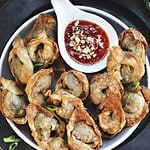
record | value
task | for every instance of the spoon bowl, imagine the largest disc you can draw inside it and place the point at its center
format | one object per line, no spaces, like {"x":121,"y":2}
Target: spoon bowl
{"x":66,"y":13}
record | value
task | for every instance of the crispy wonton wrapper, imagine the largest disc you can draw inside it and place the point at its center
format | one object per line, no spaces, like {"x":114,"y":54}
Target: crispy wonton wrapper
{"x":19,"y":61}
{"x":73,"y":82}
{"x":82,"y":132}
{"x":111,"y":117}
{"x":47,"y":129}
{"x":39,"y":86}
{"x":12,"y":101}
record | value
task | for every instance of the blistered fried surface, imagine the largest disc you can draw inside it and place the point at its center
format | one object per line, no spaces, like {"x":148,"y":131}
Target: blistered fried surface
{"x":66,"y":103}
{"x":12,"y":101}
{"x":44,"y":22}
{"x":125,"y":65}
{"x":103,"y":86}
{"x":82,"y":131}
{"x":133,"y":41}
{"x":42,"y":50}
{"x":39,"y":85}
{"x":134,"y":106}
{"x":45,"y":126}
{"x":19,"y":62}
{"x":111,"y":116}
{"x":75,"y":83}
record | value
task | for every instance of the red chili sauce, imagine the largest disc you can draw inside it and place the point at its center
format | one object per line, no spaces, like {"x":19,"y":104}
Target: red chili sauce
{"x":86,"y":42}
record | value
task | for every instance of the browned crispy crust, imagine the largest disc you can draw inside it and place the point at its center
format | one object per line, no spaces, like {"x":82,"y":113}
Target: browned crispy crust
{"x":12,"y":103}
{"x":76,"y":140}
{"x":43,"y":50}
{"x":19,"y":62}
{"x":44,"y":22}
{"x":33,"y":111}
{"x":39,"y":85}
{"x":111,"y":117}
{"x":133,"y":40}
{"x":135,"y":108}
{"x":77,"y":85}
{"x":103,"y":86}
{"x":66,"y":103}
{"x":125,"y":66}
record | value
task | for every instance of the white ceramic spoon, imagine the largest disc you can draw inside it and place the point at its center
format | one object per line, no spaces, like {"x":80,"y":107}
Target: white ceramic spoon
{"x":66,"y":12}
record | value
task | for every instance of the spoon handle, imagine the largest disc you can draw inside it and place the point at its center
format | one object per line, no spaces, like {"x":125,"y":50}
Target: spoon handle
{"x":64,"y":8}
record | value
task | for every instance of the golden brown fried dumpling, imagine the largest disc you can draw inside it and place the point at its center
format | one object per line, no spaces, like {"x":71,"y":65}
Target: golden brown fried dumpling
{"x":134,"y":106}
{"x":39,"y":85}
{"x":45,"y":127}
{"x":132,"y":40}
{"x":82,"y":132}
{"x":66,"y":103}
{"x":103,"y":86}
{"x":73,"y":82}
{"x":57,"y":143}
{"x":12,"y":101}
{"x":145,"y":92}
{"x":42,"y":50}
{"x":19,"y":62}
{"x":111,"y":117}
{"x":44,"y":22}
{"x":125,"y":65}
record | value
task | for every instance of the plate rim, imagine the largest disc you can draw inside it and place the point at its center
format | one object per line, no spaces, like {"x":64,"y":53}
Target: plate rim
{"x":87,"y":8}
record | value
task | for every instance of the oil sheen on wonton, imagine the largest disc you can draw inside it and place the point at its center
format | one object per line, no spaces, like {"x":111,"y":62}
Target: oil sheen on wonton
{"x":82,"y":132}
{"x":39,"y":85}
{"x":12,"y":101}
{"x":47,"y":129}
{"x":74,"y":82}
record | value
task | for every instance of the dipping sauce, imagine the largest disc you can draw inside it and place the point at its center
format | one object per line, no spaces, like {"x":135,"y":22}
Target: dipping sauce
{"x":86,"y":42}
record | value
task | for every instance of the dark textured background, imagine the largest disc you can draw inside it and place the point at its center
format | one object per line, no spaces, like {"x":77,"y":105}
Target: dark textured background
{"x":132,"y":12}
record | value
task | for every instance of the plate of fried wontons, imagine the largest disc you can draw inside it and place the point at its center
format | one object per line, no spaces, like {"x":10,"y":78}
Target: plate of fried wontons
{"x":54,"y":107}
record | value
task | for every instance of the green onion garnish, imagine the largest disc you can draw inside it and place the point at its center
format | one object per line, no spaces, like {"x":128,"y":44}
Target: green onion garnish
{"x":12,"y":146}
{"x":40,"y":64}
{"x":51,"y":107}
{"x":11,"y":138}
{"x":133,"y":86}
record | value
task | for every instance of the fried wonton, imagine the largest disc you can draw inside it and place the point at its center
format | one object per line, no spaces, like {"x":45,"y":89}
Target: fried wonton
{"x":44,"y":22}
{"x":103,"y":86}
{"x":39,"y":85}
{"x":74,"y":82}
{"x":46,"y":127}
{"x":111,"y":117}
{"x":12,"y":101}
{"x":133,"y":41}
{"x":19,"y":61}
{"x":66,"y":103}
{"x":42,"y":50}
{"x":134,"y":106}
{"x":126,"y":66}
{"x":82,"y":132}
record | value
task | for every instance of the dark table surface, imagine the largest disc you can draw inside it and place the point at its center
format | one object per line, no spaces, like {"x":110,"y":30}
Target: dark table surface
{"x":132,"y":12}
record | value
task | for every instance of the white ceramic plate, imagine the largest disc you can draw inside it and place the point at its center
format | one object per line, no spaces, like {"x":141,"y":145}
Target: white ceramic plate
{"x":23,"y":130}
